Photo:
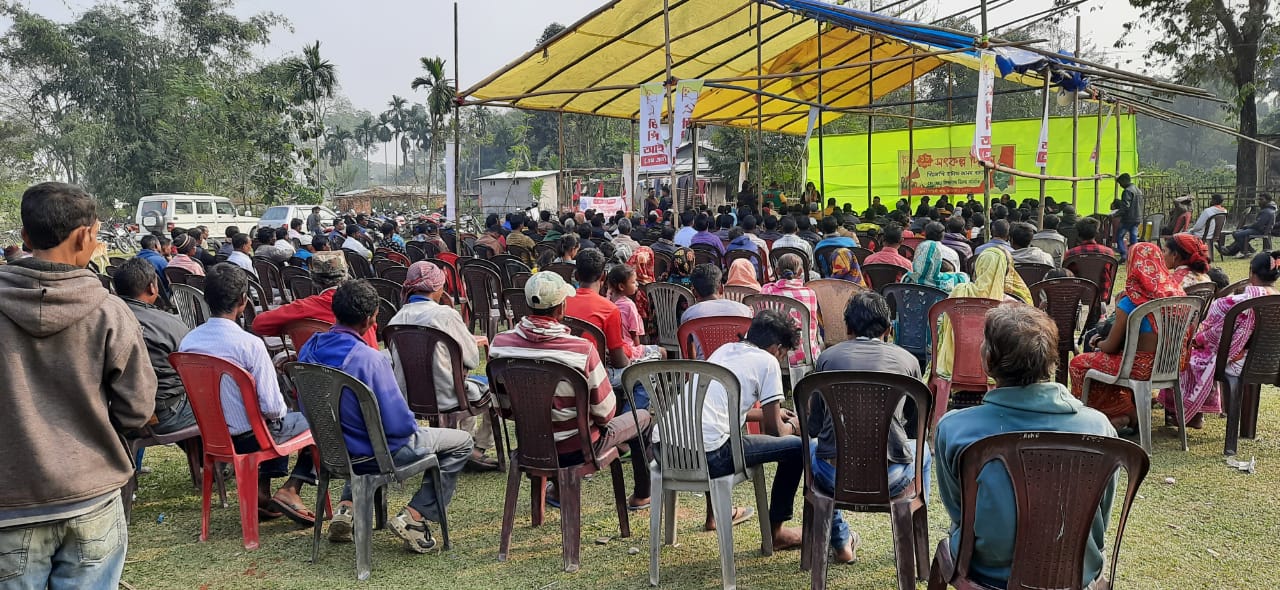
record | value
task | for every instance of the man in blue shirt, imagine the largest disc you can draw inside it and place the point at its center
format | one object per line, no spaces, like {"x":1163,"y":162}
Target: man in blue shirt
{"x":831,"y":237}
{"x":999,"y":237}
{"x":1021,"y":354}
{"x":151,"y":253}
{"x":703,"y":235}
{"x":355,"y":306}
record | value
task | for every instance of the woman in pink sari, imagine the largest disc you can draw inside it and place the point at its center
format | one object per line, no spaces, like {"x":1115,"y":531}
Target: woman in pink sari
{"x":1199,"y":391}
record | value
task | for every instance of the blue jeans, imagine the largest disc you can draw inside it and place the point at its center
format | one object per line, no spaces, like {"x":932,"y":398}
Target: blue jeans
{"x":452,"y":448}
{"x":758,"y":449}
{"x":86,"y":551}
{"x":1240,"y":241}
{"x":900,"y":475}
{"x":1131,"y":229}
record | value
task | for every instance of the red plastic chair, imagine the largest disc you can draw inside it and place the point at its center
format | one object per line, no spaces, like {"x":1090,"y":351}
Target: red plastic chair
{"x":201,"y":376}
{"x":710,"y":333}
{"x":968,"y":316}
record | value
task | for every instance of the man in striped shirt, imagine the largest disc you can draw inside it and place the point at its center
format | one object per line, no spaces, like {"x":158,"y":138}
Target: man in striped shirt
{"x":541,"y":336}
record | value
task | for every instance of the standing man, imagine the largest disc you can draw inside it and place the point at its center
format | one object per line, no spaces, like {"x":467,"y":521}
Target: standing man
{"x":1130,"y":212}
{"x":74,"y":376}
{"x":313,"y":221}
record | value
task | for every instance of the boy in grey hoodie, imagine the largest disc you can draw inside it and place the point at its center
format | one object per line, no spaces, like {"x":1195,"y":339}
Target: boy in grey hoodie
{"x":74,"y":376}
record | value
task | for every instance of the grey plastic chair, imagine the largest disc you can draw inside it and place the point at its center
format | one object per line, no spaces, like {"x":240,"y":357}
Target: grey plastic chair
{"x":677,"y":394}
{"x":665,"y":299}
{"x":189,"y":301}
{"x":797,"y":311}
{"x":1173,"y":319}
{"x":320,"y":390}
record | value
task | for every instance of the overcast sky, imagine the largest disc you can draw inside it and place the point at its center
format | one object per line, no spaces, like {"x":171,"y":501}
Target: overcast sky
{"x":376,"y":43}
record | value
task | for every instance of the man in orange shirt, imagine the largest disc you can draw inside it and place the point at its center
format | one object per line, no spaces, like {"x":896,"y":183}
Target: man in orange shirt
{"x":589,"y":306}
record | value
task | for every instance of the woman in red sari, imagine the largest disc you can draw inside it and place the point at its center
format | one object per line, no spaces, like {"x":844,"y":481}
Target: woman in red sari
{"x":642,"y":261}
{"x":1147,"y":280}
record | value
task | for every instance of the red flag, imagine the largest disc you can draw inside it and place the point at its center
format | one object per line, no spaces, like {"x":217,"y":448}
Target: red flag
{"x":600,"y":191}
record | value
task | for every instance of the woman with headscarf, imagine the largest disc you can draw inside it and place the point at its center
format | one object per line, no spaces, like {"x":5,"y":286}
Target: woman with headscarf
{"x":844,"y":266}
{"x":1187,"y":258}
{"x":1147,"y":280}
{"x":642,"y":261}
{"x":929,"y":269}
{"x":993,"y":278}
{"x":742,"y":274}
{"x":790,"y":283}
{"x":1199,"y":390}
{"x":681,"y":267}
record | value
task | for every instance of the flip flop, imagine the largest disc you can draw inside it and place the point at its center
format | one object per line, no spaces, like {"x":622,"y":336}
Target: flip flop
{"x":296,"y":512}
{"x":634,"y":508}
{"x":741,"y":514}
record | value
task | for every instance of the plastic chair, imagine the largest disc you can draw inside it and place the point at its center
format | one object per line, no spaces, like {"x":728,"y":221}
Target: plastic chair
{"x":187,"y":438}
{"x":189,"y":301}
{"x":484,"y":287}
{"x":798,"y":312}
{"x":1261,"y":367}
{"x":1099,"y":268}
{"x":589,"y":331}
{"x":519,"y":306}
{"x":302,"y":287}
{"x":564,"y":269}
{"x":833,"y":296}
{"x":1205,"y":291}
{"x":394,"y":256}
{"x":706,"y":254}
{"x":388,"y":290}
{"x":541,"y":248}
{"x":271,"y":280}
{"x":396,"y":274}
{"x":907,"y":251}
{"x":860,"y":254}
{"x":521,"y":254}
{"x":1173,"y":319}
{"x":321,"y":389}
{"x":301,"y":330}
{"x":668,"y":301}
{"x":677,"y":395}
{"x":861,"y":405}
{"x":738,"y":293}
{"x":357,"y":265}
{"x":909,"y":306}
{"x":757,"y":262}
{"x":176,"y":276}
{"x":289,"y":274}
{"x":1032,"y":272}
{"x":1150,"y":229}
{"x":1212,"y":235}
{"x":822,"y":257}
{"x":417,"y":251}
{"x":518,"y":279}
{"x":481,"y":251}
{"x":776,"y":254}
{"x":700,"y":338}
{"x":537,"y":456}
{"x":662,"y":263}
{"x":968,"y":316}
{"x":413,"y":351}
{"x":202,"y":377}
{"x":879,"y":276}
{"x":380,"y":264}
{"x":1058,"y":482}
{"x":1235,"y":288}
{"x":1061,"y":298}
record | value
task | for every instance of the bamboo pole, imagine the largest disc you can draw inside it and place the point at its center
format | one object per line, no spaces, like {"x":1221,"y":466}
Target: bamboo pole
{"x":911,"y":129}
{"x":634,"y":173}
{"x":669,"y":85}
{"x":1044,"y":169}
{"x":805,"y":112}
{"x":986,"y":176}
{"x":871,"y":100}
{"x":457,"y":129}
{"x":822,"y":164}
{"x":1115,"y":191}
{"x":994,"y":166}
{"x":1097,"y":159}
{"x":693,"y":140}
{"x":1075,"y":128}
{"x":562,"y":186}
{"x":760,"y":104}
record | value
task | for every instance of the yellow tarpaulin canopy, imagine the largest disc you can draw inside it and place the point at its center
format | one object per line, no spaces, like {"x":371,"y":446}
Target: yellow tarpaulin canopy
{"x":622,"y":44}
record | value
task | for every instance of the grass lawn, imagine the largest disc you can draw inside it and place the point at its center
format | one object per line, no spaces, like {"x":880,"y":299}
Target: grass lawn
{"x":1208,"y":529}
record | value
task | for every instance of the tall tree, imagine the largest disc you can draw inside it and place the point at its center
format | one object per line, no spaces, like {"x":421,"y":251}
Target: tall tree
{"x":385,"y":134}
{"x":1217,"y":40}
{"x":440,"y":97}
{"x":397,"y":121}
{"x":366,"y":134}
{"x":315,"y":79}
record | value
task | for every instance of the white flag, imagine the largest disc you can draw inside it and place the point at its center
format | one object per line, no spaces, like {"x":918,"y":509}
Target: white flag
{"x":1098,"y":144}
{"x":1042,"y":152}
{"x":654,"y":155}
{"x":687,"y":92}
{"x":982,"y":119}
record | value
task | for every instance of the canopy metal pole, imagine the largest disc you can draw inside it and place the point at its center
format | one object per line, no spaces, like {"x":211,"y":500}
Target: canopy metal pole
{"x":669,"y":85}
{"x":1044,"y":168}
{"x":1075,"y":128}
{"x":631,"y":181}
{"x":561,"y":185}
{"x":693,"y":139}
{"x":822,"y":165}
{"x":457,"y":130}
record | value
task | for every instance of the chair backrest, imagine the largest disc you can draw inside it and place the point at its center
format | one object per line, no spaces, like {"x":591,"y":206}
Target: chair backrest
{"x":667,"y":301}
{"x":1032,"y":272}
{"x":414,"y":351}
{"x":289,"y":273}
{"x":881,"y":275}
{"x":201,"y":376}
{"x":822,"y":259}
{"x":190,"y":304}
{"x":860,"y":254}
{"x":739,"y":293}
{"x":1061,"y":298}
{"x":564,"y":269}
{"x":906,"y":251}
{"x":116,"y":261}
{"x":386,"y":311}
{"x":1155,"y":221}
{"x":968,"y":316}
{"x":677,"y":395}
{"x":257,"y":297}
{"x":396,"y":274}
{"x":389,"y":290}
{"x":909,"y":304}
{"x":452,"y":282}
{"x":833,"y":296}
{"x":542,"y":248}
{"x":1173,"y":318}
{"x":862,"y":406}
{"x":1099,"y":268}
{"x":521,"y":253}
{"x":397,"y":258}
{"x":776,"y":254}
{"x":196,"y":281}
{"x":1071,"y":234}
{"x":302,"y":287}
{"x":755,"y":259}
{"x":482,"y":251}
{"x":511,"y":266}
{"x":592,"y":333}
{"x":357,"y":266}
{"x":381,"y":264}
{"x":176,"y":276}
{"x":912,"y":242}
{"x":527,"y":388}
{"x":484,"y":287}
{"x":793,"y":308}
{"x":706,"y":254}
{"x":1058,"y":480}
{"x":320,"y":391}
{"x":1262,"y":358}
{"x":1235,"y":288}
{"x":710,"y":333}
{"x":518,"y":279}
{"x":1205,"y":291}
{"x":301,"y":330}
{"x":1213,"y":230}
{"x":417,"y":251}
{"x":107,"y":284}
{"x":514,"y":298}
{"x":270,"y":279}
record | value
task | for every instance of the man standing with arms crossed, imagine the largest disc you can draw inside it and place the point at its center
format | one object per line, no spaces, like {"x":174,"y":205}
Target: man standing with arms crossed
{"x":74,"y":376}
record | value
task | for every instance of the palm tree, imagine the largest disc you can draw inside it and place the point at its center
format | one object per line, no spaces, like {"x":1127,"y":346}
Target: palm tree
{"x":315,"y":79}
{"x":335,"y":146}
{"x":366,"y":133}
{"x":397,"y":113}
{"x":440,"y":97}
{"x":384,"y":136}
{"x":418,"y":128}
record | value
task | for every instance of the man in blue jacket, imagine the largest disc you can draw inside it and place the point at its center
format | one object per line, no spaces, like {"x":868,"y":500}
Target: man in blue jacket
{"x":151,"y":253}
{"x":355,"y":306}
{"x":1261,"y":226}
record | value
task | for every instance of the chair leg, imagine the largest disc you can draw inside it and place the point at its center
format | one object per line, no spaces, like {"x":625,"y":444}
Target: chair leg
{"x":509,"y":510}
{"x":1235,"y":403}
{"x":762,"y":510}
{"x":246,"y":467}
{"x":571,"y":517}
{"x":362,"y":494}
{"x":806,"y":534}
{"x":538,"y":500}
{"x":222,"y":482}
{"x":920,"y":520}
{"x":1142,"y":400}
{"x":322,"y":491}
{"x":669,"y":519}
{"x":206,"y":495}
{"x":1250,"y":401}
{"x":436,"y":478}
{"x":380,"y":508}
{"x":193,"y":449}
{"x":620,"y":498}
{"x":1180,"y":414}
{"x":655,"y":523}
{"x":722,"y":509}
{"x":499,"y":431}
{"x":818,"y":540}
{"x":904,"y":547}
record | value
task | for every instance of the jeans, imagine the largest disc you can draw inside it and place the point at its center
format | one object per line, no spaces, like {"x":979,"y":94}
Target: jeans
{"x":86,"y":551}
{"x":1240,"y":241}
{"x":291,"y":425}
{"x":758,"y":449}
{"x":451,"y":447}
{"x":175,"y":418}
{"x":900,"y":476}
{"x":1130,"y":229}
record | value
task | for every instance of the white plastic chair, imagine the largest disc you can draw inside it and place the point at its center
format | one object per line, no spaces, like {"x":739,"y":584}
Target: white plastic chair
{"x":677,"y":393}
{"x":189,"y":301}
{"x":799,"y":312}
{"x":1173,"y":319}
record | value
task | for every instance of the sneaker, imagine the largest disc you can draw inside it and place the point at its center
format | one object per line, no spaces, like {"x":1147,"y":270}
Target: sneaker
{"x":416,"y":534}
{"x":340,"y":526}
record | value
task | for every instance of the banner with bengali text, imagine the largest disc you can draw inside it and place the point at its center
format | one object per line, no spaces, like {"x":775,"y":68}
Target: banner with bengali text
{"x":952,"y":171}
{"x":654,"y":155}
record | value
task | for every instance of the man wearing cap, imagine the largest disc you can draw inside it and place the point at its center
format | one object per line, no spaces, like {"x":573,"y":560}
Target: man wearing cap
{"x":423,"y":289}
{"x":328,"y":270}
{"x":541,"y":336}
